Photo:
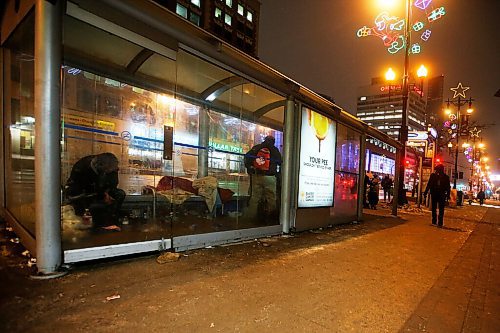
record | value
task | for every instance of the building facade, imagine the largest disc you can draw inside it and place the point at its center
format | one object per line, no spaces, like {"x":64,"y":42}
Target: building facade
{"x":380,"y":105}
{"x":234,"y":21}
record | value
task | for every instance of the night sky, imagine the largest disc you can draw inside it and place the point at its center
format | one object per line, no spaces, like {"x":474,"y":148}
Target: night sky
{"x":315,"y":43}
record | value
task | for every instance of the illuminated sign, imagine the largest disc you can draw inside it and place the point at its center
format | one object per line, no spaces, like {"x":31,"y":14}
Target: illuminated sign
{"x":227,"y":146}
{"x":87,"y":122}
{"x":381,"y":164}
{"x":317,"y":160}
{"x":418,"y":136}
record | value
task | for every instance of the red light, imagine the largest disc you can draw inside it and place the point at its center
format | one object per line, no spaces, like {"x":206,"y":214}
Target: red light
{"x":438,"y":160}
{"x":407,"y":161}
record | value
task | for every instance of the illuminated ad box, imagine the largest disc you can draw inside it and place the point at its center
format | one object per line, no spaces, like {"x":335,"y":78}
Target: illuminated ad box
{"x":317,"y":160}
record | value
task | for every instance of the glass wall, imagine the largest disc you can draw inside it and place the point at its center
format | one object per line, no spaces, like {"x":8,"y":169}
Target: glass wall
{"x":346,"y":174}
{"x":19,"y":120}
{"x":179,"y":127}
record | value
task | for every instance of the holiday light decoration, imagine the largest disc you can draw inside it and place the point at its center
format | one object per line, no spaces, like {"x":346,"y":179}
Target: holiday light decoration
{"x":390,"y":29}
{"x":422,"y":4}
{"x":459,"y":90}
{"x":475,"y":132}
{"x":426,"y":35}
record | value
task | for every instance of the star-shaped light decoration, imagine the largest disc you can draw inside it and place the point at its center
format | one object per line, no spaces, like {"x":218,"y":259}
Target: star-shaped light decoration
{"x":459,"y":90}
{"x":475,"y":132}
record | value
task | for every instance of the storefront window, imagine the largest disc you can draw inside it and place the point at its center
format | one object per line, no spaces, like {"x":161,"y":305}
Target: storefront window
{"x":19,"y":117}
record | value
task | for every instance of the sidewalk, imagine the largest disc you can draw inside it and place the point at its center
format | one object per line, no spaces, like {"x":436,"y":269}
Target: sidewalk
{"x":383,"y":275}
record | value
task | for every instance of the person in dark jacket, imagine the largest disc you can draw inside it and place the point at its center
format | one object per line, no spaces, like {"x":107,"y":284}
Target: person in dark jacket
{"x":93,"y":185}
{"x":481,"y":196}
{"x":387,"y":186}
{"x":263,"y":164}
{"x":439,"y":187}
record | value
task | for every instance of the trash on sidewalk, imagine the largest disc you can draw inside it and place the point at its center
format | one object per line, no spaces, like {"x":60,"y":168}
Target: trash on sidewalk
{"x":112,"y":297}
{"x":167,"y":257}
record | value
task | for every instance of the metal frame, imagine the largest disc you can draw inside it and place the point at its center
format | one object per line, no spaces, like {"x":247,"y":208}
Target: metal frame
{"x":190,"y":242}
{"x":109,"y":251}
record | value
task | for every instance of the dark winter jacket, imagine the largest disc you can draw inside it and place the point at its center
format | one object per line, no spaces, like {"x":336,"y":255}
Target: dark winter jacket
{"x":439,"y":185}
{"x":274,"y":161}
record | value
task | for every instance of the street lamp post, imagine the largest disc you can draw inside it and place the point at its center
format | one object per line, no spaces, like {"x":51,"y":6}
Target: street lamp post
{"x":462,"y":121}
{"x":403,"y":133}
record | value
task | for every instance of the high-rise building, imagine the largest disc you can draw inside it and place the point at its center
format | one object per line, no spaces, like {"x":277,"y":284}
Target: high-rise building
{"x":434,"y":107}
{"x":380,"y":105}
{"x":234,"y":21}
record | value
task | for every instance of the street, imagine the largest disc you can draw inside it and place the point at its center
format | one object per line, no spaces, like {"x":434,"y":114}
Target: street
{"x":385,"y":274}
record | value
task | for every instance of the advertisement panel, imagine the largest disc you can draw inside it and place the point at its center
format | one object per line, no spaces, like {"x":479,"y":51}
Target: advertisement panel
{"x":317,"y":160}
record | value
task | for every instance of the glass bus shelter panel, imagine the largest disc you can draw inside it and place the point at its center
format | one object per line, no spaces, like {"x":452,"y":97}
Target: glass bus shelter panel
{"x":101,"y":114}
{"x":82,"y":38}
{"x":346,"y":175}
{"x":19,"y":117}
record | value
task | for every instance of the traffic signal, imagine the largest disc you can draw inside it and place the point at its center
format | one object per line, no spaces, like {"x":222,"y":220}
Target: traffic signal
{"x":438,"y":160}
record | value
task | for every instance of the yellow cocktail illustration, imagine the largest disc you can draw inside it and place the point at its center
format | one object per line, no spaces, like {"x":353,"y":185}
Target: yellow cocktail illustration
{"x":320,"y":124}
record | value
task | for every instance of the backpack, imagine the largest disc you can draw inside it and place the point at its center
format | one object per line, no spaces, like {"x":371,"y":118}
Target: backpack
{"x":262,"y":161}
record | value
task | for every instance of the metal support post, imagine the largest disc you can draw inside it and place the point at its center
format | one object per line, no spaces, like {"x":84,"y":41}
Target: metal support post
{"x":287,"y":168}
{"x":403,"y":133}
{"x":48,"y":48}
{"x":361,"y":178}
{"x":397,"y":181}
{"x":203,"y":138}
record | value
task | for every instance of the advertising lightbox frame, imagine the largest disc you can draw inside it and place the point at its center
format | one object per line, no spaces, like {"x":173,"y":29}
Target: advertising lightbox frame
{"x":305,"y":118}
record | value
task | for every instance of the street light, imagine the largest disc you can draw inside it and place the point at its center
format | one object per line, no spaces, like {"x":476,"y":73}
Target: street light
{"x":422,"y":74}
{"x":390,"y":75}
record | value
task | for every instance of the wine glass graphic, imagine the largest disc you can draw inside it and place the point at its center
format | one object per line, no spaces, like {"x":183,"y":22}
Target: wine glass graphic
{"x":320,"y":125}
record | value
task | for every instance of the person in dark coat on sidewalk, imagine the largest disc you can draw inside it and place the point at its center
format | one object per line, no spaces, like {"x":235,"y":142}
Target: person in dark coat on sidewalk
{"x":481,"y":196}
{"x":439,"y":187}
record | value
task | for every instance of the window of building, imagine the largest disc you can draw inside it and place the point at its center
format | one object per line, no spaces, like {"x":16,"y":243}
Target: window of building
{"x":362,"y":98}
{"x":194,"y":18}
{"x":227,"y":19}
{"x":250,"y":16}
{"x":241,"y":10}
{"x":218,"y":13}
{"x":229,"y":3}
{"x":196,"y":3}
{"x":181,"y":10}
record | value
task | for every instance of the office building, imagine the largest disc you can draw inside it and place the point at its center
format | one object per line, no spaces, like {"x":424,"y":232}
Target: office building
{"x":234,"y":21}
{"x":380,"y":105}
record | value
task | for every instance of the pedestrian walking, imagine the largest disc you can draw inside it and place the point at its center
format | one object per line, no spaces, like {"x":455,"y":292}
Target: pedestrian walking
{"x":439,"y":187}
{"x":481,"y":196}
{"x":387,"y":186}
{"x":373,"y":192}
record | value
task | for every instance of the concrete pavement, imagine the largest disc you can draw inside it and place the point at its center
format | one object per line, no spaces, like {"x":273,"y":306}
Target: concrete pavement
{"x":383,"y":275}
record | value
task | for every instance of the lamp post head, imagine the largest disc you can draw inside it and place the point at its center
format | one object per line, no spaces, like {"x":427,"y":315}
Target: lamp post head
{"x":422,"y":72}
{"x":390,"y":75}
